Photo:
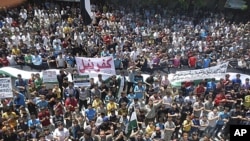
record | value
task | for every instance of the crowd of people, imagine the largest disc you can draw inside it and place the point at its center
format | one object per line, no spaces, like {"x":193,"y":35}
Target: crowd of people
{"x":141,"y":41}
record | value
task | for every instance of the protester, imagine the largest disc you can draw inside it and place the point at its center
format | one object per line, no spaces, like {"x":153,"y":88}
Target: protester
{"x":151,"y":42}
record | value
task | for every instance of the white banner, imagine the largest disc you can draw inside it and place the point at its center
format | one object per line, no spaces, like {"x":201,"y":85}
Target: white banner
{"x":103,"y":65}
{"x":211,"y":72}
{"x":5,"y":88}
{"x":49,"y":76}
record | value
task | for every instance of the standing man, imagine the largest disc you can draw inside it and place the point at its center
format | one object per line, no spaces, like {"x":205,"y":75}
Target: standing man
{"x":63,"y":74}
{"x":131,"y":78}
{"x":21,"y":85}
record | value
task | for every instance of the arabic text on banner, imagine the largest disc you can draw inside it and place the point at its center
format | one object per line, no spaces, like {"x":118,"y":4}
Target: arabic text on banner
{"x":211,"y":72}
{"x":49,"y":76}
{"x":81,"y":80}
{"x":5,"y":88}
{"x":97,"y":65}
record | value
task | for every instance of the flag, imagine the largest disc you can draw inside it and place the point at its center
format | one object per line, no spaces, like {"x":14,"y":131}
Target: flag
{"x":131,"y":124}
{"x":86,"y":11}
{"x":236,"y":4}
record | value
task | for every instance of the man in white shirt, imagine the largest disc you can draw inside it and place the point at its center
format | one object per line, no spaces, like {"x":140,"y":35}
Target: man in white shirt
{"x":23,"y":15}
{"x":212,"y":118}
{"x":61,"y":133}
{"x":167,"y":100}
{"x":100,"y":119}
{"x":60,"y":61}
{"x":203,"y":124}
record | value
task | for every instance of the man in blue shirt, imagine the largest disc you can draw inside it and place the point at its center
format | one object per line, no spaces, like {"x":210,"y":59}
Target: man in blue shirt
{"x":211,"y":85}
{"x":34,"y":122}
{"x":90,"y":112}
{"x":139,"y":90}
{"x":70,"y":60}
{"x":206,"y":62}
{"x":19,"y":99}
{"x":223,"y":119}
{"x":37,"y":59}
{"x":21,"y":84}
{"x":42,"y":103}
{"x":237,"y":80}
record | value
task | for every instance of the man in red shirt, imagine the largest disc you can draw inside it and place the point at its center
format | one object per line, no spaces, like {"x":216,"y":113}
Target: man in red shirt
{"x":227,"y":79}
{"x":200,"y":90}
{"x":44,"y":117}
{"x":71,"y":103}
{"x":192,"y":61}
{"x":4,"y":61}
{"x":220,"y":99}
{"x":107,"y":39}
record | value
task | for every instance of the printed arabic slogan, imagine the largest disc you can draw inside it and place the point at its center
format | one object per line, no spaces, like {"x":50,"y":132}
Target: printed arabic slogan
{"x":49,"y":77}
{"x":95,"y":65}
{"x":5,"y":88}
{"x":211,"y":72}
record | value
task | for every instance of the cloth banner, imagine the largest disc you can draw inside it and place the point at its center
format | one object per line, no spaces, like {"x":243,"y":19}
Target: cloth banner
{"x":49,"y":76}
{"x":5,"y":88}
{"x":211,"y":72}
{"x":236,"y":4}
{"x":81,"y":80}
{"x":97,"y":65}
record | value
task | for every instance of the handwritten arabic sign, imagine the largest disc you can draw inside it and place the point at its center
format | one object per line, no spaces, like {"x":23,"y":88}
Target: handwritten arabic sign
{"x":49,"y":76}
{"x":98,"y":65}
{"x":81,"y":80}
{"x":5,"y":88}
{"x":211,"y":72}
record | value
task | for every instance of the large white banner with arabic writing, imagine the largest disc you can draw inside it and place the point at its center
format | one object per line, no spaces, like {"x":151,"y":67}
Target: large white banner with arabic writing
{"x":98,"y":65}
{"x":211,"y":72}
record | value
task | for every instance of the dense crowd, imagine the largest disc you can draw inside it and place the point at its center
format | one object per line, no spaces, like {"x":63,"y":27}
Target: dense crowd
{"x":142,"y":41}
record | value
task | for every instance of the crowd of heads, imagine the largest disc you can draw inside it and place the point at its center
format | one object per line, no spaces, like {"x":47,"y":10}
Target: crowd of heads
{"x":51,"y":35}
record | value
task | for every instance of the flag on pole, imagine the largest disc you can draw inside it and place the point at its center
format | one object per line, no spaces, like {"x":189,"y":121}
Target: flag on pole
{"x":86,"y":11}
{"x":132,"y":124}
